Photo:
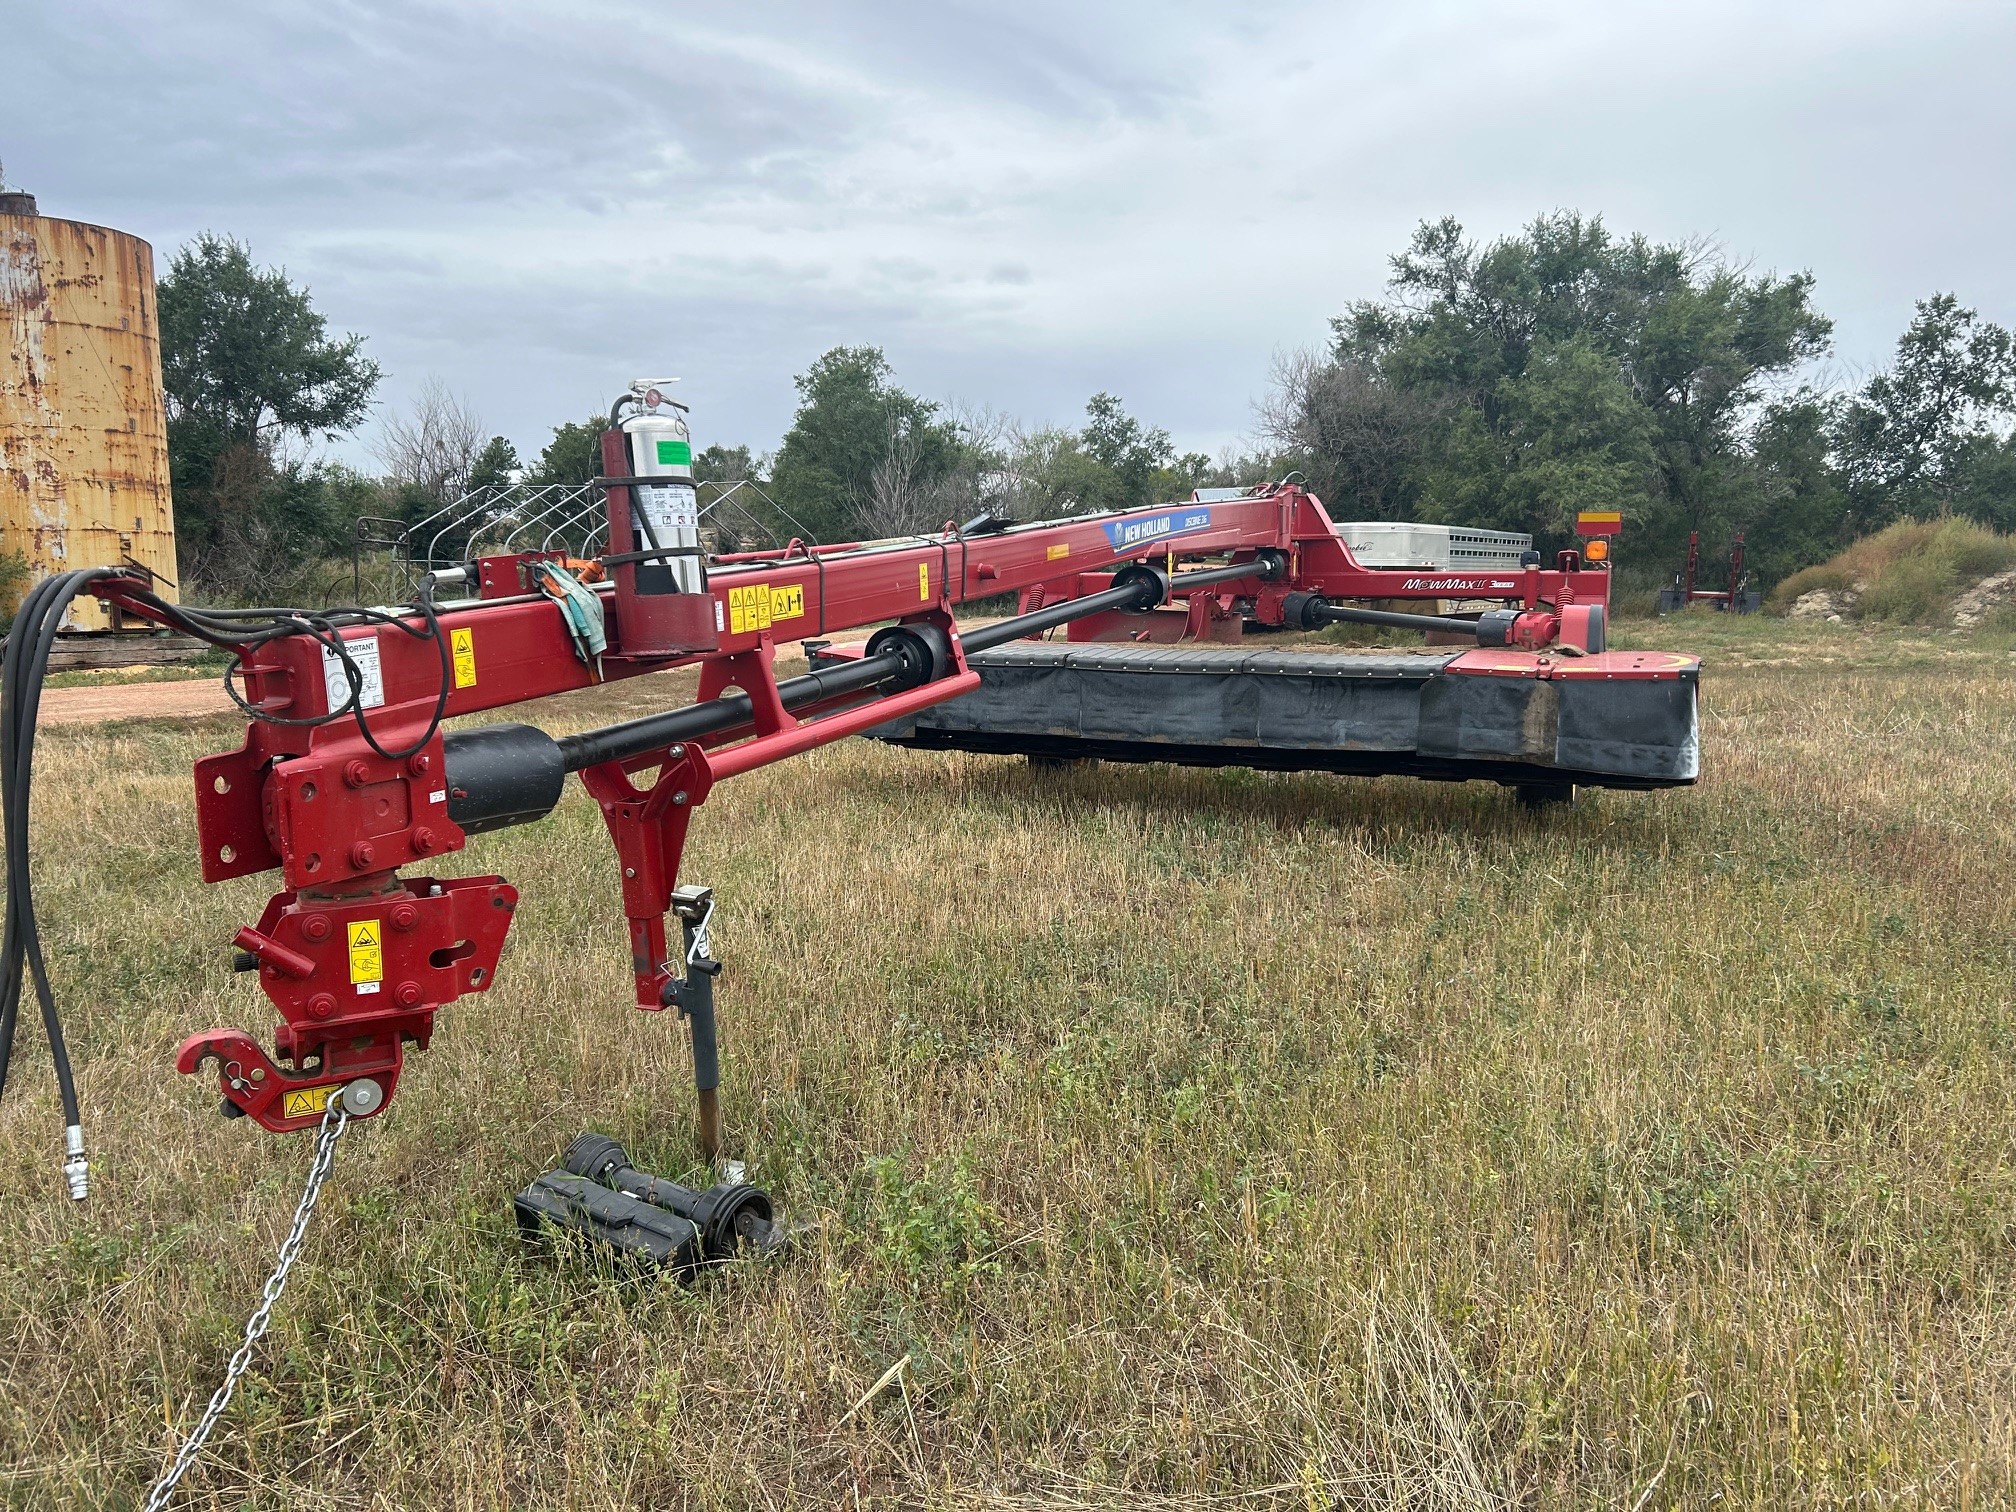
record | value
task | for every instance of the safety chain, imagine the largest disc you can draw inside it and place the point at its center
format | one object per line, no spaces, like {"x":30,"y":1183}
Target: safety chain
{"x":333,"y":1119}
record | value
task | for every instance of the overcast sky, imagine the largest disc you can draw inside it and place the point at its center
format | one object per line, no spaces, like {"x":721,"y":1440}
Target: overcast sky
{"x":1021,"y":204}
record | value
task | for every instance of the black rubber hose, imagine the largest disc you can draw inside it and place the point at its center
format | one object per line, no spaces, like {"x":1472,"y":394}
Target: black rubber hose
{"x":21,"y":676}
{"x":29,"y":700}
{"x":11,"y":956}
{"x":31,"y":936}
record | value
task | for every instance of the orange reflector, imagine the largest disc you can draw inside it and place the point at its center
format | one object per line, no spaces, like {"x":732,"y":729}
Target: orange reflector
{"x":1597,"y":550}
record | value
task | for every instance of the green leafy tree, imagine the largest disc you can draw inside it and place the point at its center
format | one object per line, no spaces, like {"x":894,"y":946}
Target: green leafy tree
{"x":1794,"y":511}
{"x":1930,"y":434}
{"x":1130,"y":457}
{"x":574,"y":455}
{"x":247,"y":362}
{"x":859,"y":447}
{"x":1565,"y":367}
{"x":723,"y":464}
{"x":1113,"y":462}
{"x":494,"y":464}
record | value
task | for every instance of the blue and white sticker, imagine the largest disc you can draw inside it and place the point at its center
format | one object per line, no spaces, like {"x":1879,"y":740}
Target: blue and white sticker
{"x":1126,"y":534}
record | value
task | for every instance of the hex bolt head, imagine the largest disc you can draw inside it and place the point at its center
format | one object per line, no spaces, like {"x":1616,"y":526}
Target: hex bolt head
{"x":362,"y":854}
{"x":355,"y":774}
{"x":404,"y":916}
{"x":423,"y":840}
{"x":322,"y":1005}
{"x":315,"y":927}
{"x":421,"y":764}
{"x":361,"y":1097}
{"x":408,"y":995}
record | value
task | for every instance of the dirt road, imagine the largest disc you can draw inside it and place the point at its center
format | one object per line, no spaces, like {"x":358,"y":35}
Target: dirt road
{"x":162,"y":700}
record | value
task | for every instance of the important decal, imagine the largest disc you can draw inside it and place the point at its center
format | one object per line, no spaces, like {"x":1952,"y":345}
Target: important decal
{"x":462,"y":647}
{"x":759,"y":606}
{"x":1139,"y":532}
{"x":1058,"y":552}
{"x":363,"y":653}
{"x":367,"y":954}
{"x":924,"y":581}
{"x":305,"y":1102}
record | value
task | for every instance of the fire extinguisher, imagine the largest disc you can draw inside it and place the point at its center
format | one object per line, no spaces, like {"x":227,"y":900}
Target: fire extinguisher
{"x":662,"y":604}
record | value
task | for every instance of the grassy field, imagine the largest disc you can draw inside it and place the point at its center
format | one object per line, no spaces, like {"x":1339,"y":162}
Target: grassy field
{"x":1195,"y":1140}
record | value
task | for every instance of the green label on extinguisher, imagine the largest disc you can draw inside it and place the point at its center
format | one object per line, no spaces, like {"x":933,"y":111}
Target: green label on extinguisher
{"x":675,"y":453}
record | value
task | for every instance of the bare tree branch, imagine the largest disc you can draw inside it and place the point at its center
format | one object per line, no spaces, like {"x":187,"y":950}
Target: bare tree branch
{"x":433,"y":446}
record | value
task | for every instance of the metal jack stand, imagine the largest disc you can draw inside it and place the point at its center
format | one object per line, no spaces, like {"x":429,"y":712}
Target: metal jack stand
{"x":693,"y":996}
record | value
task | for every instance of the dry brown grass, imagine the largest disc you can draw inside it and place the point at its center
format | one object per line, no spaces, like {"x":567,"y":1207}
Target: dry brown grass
{"x":1202,"y":1140}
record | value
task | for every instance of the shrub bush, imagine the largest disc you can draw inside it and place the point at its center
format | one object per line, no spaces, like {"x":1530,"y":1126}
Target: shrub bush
{"x":1909,"y":572}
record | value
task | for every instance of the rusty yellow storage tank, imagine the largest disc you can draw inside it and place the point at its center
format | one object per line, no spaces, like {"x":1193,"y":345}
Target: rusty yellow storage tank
{"x":83,"y":427}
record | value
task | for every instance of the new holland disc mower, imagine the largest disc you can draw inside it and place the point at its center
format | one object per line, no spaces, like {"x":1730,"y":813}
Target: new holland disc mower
{"x":352,"y":788}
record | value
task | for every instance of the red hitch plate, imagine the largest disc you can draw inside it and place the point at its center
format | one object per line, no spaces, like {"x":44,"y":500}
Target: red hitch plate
{"x":355,"y":978}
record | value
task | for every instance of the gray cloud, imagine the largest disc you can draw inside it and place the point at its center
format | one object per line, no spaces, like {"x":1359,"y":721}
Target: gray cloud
{"x":1022,"y":204}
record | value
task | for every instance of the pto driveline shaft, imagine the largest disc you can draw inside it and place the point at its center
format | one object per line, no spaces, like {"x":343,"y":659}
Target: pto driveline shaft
{"x":506,"y":774}
{"x":1334,"y":615}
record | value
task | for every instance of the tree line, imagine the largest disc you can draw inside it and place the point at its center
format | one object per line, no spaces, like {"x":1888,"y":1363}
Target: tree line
{"x":1515,"y":382}
{"x":1506,"y":384}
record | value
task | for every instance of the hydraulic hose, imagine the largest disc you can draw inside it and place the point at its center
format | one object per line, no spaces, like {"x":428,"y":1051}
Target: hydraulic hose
{"x":23,"y":668}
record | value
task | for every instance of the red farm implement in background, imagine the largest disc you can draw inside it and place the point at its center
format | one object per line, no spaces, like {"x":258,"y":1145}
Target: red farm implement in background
{"x":1737,"y":598}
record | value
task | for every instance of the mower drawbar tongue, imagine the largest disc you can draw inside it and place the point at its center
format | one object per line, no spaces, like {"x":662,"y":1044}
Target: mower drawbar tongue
{"x":598,"y":1195}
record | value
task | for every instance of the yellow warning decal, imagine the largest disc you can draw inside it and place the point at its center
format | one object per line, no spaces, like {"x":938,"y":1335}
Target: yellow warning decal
{"x":748,"y":609}
{"x":462,"y":645}
{"x":307,"y":1101}
{"x":759,"y":606}
{"x":924,"y":581}
{"x":1061,"y":550}
{"x":367,"y":951}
